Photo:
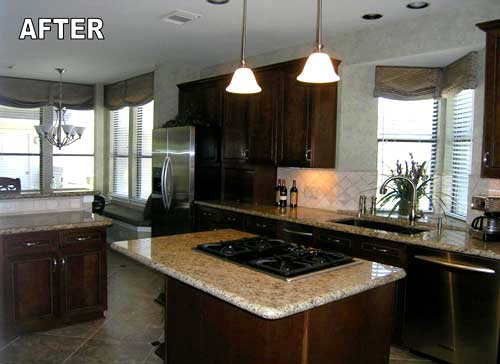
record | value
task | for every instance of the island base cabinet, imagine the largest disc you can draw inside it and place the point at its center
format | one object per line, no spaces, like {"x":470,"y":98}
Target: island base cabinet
{"x":203,"y":329}
{"x":51,"y":279}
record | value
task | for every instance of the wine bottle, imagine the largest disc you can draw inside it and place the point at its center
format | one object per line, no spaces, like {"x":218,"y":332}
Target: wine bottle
{"x":283,"y":194}
{"x":294,"y":195}
{"x":278,"y":190}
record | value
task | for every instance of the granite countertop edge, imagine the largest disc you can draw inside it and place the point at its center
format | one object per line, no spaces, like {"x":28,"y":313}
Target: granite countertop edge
{"x":269,"y":313}
{"x":55,"y":194}
{"x":408,"y":240}
{"x":62,"y":226}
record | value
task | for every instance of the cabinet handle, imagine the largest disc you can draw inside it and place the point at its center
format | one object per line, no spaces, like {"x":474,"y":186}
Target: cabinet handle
{"x":54,"y":264}
{"x":380,"y":250}
{"x":83,"y":238}
{"x":246,"y":154}
{"x":231,"y":219}
{"x":207,"y":214}
{"x":293,"y":232}
{"x":308,"y":155}
{"x":32,"y":243}
{"x":262,"y":226}
{"x":486,"y":159}
{"x":63,"y":263}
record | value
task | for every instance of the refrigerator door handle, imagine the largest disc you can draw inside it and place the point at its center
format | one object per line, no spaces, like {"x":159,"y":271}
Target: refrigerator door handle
{"x":166,"y":183}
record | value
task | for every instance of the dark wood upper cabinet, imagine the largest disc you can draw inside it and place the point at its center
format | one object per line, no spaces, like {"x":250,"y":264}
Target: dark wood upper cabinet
{"x":295,"y":126}
{"x":264,"y":111}
{"x":491,"y":130}
{"x":289,"y":124}
{"x":235,"y":128}
{"x":309,"y":125}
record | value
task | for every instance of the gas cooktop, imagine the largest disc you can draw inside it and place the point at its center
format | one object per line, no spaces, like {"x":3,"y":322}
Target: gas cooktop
{"x":277,"y":258}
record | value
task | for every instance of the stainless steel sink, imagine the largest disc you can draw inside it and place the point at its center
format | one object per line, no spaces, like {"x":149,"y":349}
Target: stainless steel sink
{"x":384,"y":226}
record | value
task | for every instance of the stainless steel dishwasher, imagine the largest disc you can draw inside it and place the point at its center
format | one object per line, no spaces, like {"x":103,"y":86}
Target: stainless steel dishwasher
{"x":453,"y":306}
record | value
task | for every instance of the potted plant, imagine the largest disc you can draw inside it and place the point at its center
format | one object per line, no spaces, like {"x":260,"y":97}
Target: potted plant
{"x":400,"y":191}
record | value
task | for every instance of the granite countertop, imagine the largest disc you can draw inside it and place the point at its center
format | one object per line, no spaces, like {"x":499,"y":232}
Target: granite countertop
{"x":258,"y":293}
{"x":50,"y":221}
{"x":453,"y":238}
{"x":51,"y":194}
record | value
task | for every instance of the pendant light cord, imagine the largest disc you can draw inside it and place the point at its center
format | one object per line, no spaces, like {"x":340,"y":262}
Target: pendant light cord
{"x":243,"y":34}
{"x":319,"y":20}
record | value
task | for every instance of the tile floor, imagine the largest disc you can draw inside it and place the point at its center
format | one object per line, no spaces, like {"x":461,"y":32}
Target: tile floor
{"x":133,"y":321}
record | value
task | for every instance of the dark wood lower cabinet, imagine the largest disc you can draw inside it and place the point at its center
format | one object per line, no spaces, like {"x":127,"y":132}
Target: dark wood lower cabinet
{"x":52,"y":279}
{"x":31,"y":291}
{"x":203,"y":329}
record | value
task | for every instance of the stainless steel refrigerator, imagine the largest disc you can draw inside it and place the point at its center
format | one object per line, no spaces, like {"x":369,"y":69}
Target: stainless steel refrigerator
{"x":174,"y":152}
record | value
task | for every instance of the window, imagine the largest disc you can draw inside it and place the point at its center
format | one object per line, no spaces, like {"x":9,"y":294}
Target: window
{"x":132,"y":131}
{"x":120,"y":145}
{"x":459,"y":122}
{"x":144,"y":150}
{"x":73,"y":165}
{"x":407,"y":127}
{"x":20,"y":148}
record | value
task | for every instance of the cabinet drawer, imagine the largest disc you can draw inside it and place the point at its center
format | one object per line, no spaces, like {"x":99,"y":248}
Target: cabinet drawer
{"x":232,"y":220}
{"x":261,"y":226}
{"x":71,"y":237}
{"x":384,"y":252}
{"x":330,"y":240}
{"x":30,"y":243}
{"x":208,"y":214}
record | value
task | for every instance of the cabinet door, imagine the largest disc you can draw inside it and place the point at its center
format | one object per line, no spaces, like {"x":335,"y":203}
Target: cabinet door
{"x":31,"y":290}
{"x":235,"y":130}
{"x":491,"y":129}
{"x":84,"y":282}
{"x":323,"y":126}
{"x":263,"y":116}
{"x":295,"y":124}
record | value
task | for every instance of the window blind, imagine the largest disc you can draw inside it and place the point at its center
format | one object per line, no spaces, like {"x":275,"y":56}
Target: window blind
{"x":406,"y":127}
{"x":462,"y":116}
{"x":144,"y":127}
{"x":120,"y":133}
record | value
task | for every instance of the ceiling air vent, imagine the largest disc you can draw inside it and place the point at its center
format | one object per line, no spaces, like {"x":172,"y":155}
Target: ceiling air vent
{"x":180,"y":17}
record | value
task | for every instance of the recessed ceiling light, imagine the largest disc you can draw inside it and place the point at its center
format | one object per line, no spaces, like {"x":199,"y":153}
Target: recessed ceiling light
{"x":418,"y":5}
{"x":373,"y":16}
{"x":217,"y":2}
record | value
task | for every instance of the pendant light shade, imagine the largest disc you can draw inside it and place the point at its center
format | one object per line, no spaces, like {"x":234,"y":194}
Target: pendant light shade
{"x":319,"y":66}
{"x":243,"y":81}
{"x":318,"y":69}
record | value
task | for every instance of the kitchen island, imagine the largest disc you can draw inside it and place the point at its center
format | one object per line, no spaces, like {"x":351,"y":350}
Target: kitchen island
{"x":220,"y":312}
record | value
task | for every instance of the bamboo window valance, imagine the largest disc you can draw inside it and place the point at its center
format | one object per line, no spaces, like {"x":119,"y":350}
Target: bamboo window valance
{"x":417,"y":83}
{"x":29,"y":93}
{"x":135,"y":91}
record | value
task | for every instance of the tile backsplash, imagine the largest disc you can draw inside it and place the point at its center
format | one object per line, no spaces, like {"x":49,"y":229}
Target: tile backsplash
{"x":45,"y":205}
{"x":330,"y":189}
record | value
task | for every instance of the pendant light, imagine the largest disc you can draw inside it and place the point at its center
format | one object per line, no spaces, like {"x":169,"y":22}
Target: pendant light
{"x":243,"y":81}
{"x":319,"y":67}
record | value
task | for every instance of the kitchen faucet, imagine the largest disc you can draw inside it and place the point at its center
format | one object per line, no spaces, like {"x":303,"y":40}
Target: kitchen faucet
{"x":412,"y":217}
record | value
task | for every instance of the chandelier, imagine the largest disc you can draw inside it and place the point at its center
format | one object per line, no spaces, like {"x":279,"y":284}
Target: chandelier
{"x":60,"y":134}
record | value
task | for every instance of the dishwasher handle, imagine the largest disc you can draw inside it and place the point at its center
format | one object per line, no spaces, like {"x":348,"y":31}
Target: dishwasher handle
{"x":459,"y":266}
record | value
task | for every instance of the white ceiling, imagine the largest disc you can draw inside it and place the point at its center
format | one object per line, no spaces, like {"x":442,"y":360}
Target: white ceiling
{"x":137,"y":39}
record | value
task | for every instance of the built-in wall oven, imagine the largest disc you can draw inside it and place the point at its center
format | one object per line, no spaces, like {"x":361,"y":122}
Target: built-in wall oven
{"x":453,"y":306}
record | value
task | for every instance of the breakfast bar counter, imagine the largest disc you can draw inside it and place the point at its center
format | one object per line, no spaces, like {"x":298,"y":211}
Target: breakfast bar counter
{"x":329,"y":317}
